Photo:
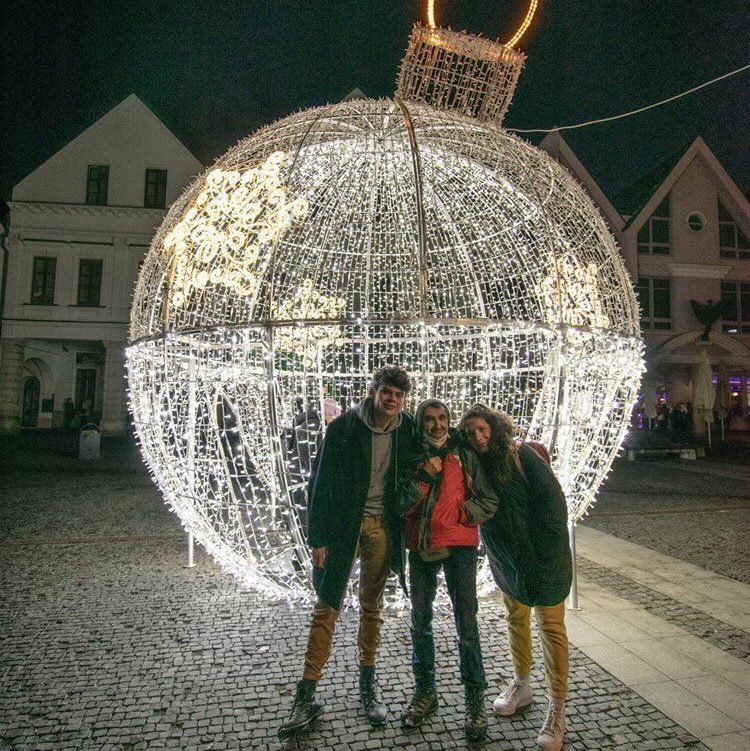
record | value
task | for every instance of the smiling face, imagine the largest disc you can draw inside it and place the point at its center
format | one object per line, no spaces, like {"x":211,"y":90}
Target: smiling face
{"x":387,"y":401}
{"x":478,"y":433}
{"x":435,"y":423}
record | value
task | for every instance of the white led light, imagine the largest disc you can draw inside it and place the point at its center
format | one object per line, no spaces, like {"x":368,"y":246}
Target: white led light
{"x":344,"y":238}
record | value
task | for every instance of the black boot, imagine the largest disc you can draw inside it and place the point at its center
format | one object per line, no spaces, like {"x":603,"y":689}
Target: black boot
{"x":476,"y":717}
{"x":305,"y":709}
{"x":422,"y":705}
{"x":368,"y":692}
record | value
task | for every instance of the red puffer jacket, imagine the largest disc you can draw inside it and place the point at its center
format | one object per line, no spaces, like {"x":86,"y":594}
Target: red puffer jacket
{"x":445,"y":528}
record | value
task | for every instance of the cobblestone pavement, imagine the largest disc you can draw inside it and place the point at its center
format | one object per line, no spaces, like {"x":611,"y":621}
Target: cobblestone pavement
{"x":108,"y":642}
{"x":698,"y":512}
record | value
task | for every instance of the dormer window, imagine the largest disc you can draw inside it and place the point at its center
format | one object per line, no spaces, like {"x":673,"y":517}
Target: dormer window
{"x":653,"y":236}
{"x":155,"y":196}
{"x":97,"y":185}
{"x":733,"y":242}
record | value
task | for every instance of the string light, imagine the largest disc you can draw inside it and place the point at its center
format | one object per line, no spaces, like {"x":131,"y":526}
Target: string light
{"x":513,"y":41}
{"x":338,"y":240}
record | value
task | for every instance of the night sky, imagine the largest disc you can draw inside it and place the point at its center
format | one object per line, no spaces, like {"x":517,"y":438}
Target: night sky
{"x":216,"y":71}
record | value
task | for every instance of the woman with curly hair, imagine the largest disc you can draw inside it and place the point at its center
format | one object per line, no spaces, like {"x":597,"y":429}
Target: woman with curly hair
{"x":529,"y":553}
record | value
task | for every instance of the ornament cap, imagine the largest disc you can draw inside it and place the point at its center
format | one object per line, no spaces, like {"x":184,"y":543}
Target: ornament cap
{"x":459,"y":72}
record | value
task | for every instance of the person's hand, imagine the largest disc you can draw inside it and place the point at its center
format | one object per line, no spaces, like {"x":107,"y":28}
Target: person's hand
{"x":433,"y":466}
{"x":319,"y":556}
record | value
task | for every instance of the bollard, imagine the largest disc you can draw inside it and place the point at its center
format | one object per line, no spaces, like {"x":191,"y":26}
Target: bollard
{"x":89,"y":442}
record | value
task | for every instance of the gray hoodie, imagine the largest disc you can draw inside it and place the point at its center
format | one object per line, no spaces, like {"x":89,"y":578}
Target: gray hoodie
{"x":382,"y":441}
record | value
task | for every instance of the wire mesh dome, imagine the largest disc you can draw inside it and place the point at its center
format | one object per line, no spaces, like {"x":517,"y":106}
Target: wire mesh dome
{"x":344,"y":238}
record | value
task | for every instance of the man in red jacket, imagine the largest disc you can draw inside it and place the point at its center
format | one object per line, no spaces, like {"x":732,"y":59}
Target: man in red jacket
{"x":435,"y":538}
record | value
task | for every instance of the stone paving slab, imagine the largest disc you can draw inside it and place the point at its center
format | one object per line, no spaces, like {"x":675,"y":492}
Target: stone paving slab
{"x":114,"y":645}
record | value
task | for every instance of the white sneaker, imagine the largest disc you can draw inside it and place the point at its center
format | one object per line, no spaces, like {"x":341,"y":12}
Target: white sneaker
{"x":516,"y":695}
{"x":551,"y":735}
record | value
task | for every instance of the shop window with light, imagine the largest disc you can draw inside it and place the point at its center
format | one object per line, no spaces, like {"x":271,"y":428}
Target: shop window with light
{"x":735,"y":307}
{"x":655,"y":298}
{"x":89,"y":282}
{"x":97,"y":185}
{"x":43,"y":281}
{"x":155,"y":196}
{"x":733,"y":242}
{"x":653,"y":236}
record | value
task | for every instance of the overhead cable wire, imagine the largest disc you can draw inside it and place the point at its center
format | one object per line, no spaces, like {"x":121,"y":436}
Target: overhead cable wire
{"x":632,"y":112}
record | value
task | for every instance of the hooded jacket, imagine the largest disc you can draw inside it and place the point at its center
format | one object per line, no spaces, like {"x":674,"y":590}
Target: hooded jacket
{"x":338,"y":491}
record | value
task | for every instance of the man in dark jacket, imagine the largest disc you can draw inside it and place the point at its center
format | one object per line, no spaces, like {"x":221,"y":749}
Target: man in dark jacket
{"x":353,"y":511}
{"x":437,"y":538}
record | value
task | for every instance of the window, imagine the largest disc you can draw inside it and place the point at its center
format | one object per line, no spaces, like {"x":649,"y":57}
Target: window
{"x":653,"y":236}
{"x":735,"y":303}
{"x":655,"y":298}
{"x":696,"y":221}
{"x":43,"y":281}
{"x":97,"y":185}
{"x":89,"y":282}
{"x":156,"y":189}
{"x":733,"y":242}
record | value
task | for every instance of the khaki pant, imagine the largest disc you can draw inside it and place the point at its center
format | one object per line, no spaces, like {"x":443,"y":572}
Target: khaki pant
{"x":374,"y":566}
{"x":551,"y":624}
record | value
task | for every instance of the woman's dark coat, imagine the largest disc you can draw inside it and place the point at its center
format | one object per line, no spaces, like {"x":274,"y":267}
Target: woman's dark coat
{"x":337,"y":496}
{"x":527,"y":538}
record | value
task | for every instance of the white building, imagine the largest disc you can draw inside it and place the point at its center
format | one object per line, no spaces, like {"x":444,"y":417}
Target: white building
{"x":683,"y":230}
{"x":80,"y":225}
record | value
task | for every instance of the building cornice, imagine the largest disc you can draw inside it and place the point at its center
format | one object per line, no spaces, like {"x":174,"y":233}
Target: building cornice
{"x":75,"y":209}
{"x":697,"y":270}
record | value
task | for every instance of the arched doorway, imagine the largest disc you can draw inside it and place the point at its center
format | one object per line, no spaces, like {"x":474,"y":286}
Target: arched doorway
{"x":30,"y":412}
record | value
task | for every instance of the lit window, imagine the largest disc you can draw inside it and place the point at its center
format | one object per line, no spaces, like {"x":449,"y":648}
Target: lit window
{"x":89,"y":282}
{"x":655,"y":298}
{"x":155,"y":196}
{"x":43,"y":281}
{"x":97,"y":185}
{"x":735,"y":307}
{"x":653,"y":236}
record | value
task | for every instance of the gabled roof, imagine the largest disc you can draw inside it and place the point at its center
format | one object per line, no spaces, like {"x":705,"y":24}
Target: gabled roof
{"x":355,"y":93}
{"x":661,"y":188}
{"x":113,"y":131}
{"x":556,"y":146}
{"x":635,"y":196}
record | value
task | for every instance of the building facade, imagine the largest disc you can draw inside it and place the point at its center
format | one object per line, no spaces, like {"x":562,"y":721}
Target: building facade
{"x":81,"y":223}
{"x":79,"y":227}
{"x":683,"y":231}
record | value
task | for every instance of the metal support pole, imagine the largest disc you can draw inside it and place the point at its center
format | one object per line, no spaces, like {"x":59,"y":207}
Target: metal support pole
{"x":573,"y":596}
{"x":190,"y":549}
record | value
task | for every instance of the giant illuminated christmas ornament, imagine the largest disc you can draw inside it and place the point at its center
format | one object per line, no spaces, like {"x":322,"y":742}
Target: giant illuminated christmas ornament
{"x":413,"y":231}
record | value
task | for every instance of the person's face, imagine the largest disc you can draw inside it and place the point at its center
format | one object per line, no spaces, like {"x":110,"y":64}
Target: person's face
{"x":478,"y":433}
{"x":388,"y":400}
{"x":435,"y":423}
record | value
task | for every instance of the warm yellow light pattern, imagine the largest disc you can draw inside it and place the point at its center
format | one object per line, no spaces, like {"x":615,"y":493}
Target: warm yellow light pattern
{"x":308,"y":304}
{"x":513,"y":41}
{"x":571,"y":295}
{"x":523,"y":28}
{"x":209,"y":250}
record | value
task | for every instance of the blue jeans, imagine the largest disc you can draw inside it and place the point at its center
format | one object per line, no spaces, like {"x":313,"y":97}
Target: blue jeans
{"x":461,"y":577}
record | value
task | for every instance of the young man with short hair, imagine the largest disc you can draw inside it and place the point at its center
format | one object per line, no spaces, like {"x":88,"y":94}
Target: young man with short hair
{"x":353,"y":511}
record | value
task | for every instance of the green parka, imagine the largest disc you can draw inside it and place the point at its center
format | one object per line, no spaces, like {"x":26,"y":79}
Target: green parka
{"x":526,"y":534}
